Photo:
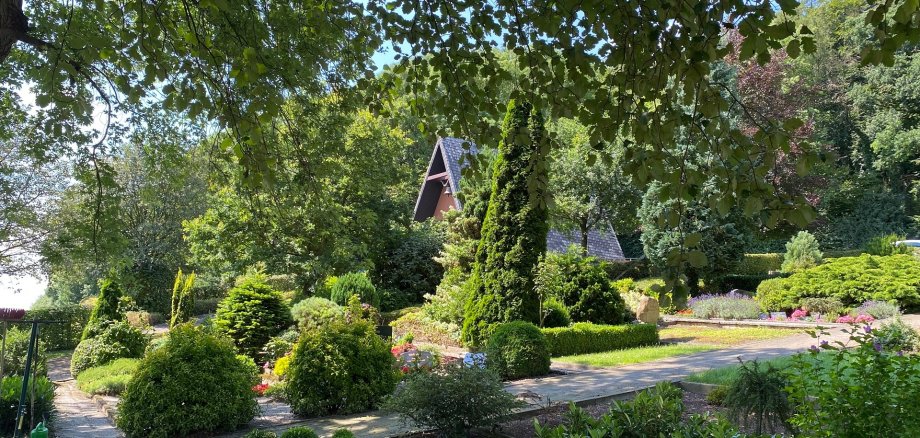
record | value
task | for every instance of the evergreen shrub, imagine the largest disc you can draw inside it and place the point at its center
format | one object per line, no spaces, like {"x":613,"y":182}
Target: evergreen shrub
{"x":251,"y":314}
{"x":518,"y":349}
{"x":583,"y":338}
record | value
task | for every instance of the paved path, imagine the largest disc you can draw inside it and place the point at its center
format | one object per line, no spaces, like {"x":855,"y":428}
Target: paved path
{"x":76,"y":415}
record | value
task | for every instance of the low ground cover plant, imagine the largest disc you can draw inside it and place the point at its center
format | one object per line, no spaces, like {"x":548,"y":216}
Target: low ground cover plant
{"x":518,"y":349}
{"x":108,"y":379}
{"x":732,"y":305}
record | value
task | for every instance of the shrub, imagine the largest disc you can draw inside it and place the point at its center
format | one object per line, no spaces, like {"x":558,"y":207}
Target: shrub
{"x":852,"y":280}
{"x":878,"y":309}
{"x":802,"y":252}
{"x":183,"y":299}
{"x":897,"y":336}
{"x":282,"y":344}
{"x":582,"y":338}
{"x":114,"y":340}
{"x":108,"y":379}
{"x":340,"y":369}
{"x":453,"y":399}
{"x":9,"y":401}
{"x":17,"y":345}
{"x":393,"y":299}
{"x":857,"y":390}
{"x":314,"y":312}
{"x":205,"y":306}
{"x":343,"y":433}
{"x":518,"y":349}
{"x":106,"y":308}
{"x":259,"y":433}
{"x":885,"y":246}
{"x":728,"y":306}
{"x":555,"y":314}
{"x":282,"y":365}
{"x":251,"y":314}
{"x":756,"y":398}
{"x":426,"y":329}
{"x":716,"y":397}
{"x":581,"y":283}
{"x":355,"y":283}
{"x":66,"y":334}
{"x":830,"y":307}
{"x":407,"y":269}
{"x":447,"y":304}
{"x":299,"y":432}
{"x":740,"y":282}
{"x":193,"y":384}
{"x":759,"y":264}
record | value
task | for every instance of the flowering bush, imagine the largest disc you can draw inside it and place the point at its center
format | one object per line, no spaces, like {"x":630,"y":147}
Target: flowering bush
{"x":878,"y":309}
{"x":798,"y":314}
{"x":732,"y":305}
{"x":410,"y":359}
{"x":260,"y":388}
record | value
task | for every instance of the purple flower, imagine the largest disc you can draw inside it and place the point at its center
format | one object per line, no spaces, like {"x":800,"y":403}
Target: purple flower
{"x":814,"y":348}
{"x":823,"y":343}
{"x":877,"y":345}
{"x":900,"y":353}
{"x":868,"y":329}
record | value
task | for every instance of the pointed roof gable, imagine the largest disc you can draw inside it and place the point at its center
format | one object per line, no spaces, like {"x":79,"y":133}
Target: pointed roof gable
{"x":601,"y":244}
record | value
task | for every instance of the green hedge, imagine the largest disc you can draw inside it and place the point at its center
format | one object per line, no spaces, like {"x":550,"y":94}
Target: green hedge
{"x":759,"y":264}
{"x":66,"y":334}
{"x":852,"y":280}
{"x":583,"y":338}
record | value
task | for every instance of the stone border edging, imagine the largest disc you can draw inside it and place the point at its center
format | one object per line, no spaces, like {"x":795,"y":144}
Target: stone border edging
{"x":697,"y":388}
{"x":668,"y":320}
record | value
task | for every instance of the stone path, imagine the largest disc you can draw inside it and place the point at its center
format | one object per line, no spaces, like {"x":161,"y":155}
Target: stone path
{"x":76,"y":415}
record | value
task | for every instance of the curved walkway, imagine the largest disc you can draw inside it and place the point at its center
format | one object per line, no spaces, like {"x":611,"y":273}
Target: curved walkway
{"x":76,"y":415}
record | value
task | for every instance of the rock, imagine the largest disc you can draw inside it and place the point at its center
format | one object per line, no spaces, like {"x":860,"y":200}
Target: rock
{"x":647,"y":311}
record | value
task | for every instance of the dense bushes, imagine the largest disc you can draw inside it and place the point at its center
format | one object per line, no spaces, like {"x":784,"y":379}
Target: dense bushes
{"x":453,"y":400}
{"x":885,"y":246}
{"x":581,"y":283}
{"x":66,"y":334}
{"x":582,"y":338}
{"x":17,"y":345}
{"x":107,"y":341}
{"x":9,"y":401}
{"x":426,"y":329}
{"x":555,"y":314}
{"x":251,"y":314}
{"x":759,"y":264}
{"x":802,"y":252}
{"x":728,"y":306}
{"x":355,"y":283}
{"x":314,"y":312}
{"x":106,"y":308}
{"x":518,"y":349}
{"x":408,"y":269}
{"x":852,"y":280}
{"x":192,"y":384}
{"x":340,"y":369}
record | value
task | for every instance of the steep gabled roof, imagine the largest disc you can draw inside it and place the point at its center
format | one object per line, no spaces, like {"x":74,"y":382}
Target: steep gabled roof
{"x":456,"y":157}
{"x":601,"y":244}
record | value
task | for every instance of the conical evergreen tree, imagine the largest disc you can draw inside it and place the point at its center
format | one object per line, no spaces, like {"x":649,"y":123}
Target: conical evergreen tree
{"x":514,"y":229}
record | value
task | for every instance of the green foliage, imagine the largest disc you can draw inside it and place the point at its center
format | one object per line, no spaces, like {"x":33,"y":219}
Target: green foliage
{"x":859,"y":210}
{"x":408,"y":265}
{"x":251,"y":314}
{"x":854,"y":390}
{"x":427,"y":329}
{"x":66,"y":334}
{"x":716,"y":397}
{"x":106,"y":308}
{"x":757,"y":398}
{"x":513,"y":231}
{"x":581,"y":283}
{"x":108,"y":379}
{"x":453,"y":399}
{"x":183,"y":298}
{"x":17,"y":345}
{"x":314,"y":312}
{"x":192,"y":384}
{"x":728,"y":306}
{"x":299,"y":432}
{"x":9,"y":402}
{"x":343,"y":433}
{"x":355,"y":283}
{"x":897,"y":336}
{"x":802,"y":252}
{"x":340,"y":369}
{"x":878,"y":309}
{"x":825,"y":306}
{"x":555,"y":314}
{"x":582,"y":338}
{"x":518,"y":349}
{"x":111,"y":340}
{"x":280,"y":345}
{"x":885,"y":245}
{"x":259,"y":433}
{"x":206,"y":306}
{"x":759,"y":264}
{"x":852,"y":280}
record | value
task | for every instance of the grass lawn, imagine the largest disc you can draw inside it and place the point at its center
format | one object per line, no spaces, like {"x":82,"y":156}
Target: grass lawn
{"x":634,"y":355}
{"x":722,"y":336}
{"x":724,"y":375}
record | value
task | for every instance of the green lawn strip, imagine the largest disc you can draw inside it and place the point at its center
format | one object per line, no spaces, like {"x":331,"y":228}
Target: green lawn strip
{"x":635,"y":355}
{"x":108,"y":379}
{"x":722,"y":336}
{"x":725,"y":375}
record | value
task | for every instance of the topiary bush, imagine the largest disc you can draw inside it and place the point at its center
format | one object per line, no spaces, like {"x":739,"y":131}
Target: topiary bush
{"x":340,"y":369}
{"x":106,"y":308}
{"x":802,"y":252}
{"x":192,"y":384}
{"x":518,"y":349}
{"x":315,"y":312}
{"x":453,"y":399}
{"x":299,"y":432}
{"x":583,"y":338}
{"x":108,"y":341}
{"x":251,"y":314}
{"x":852,"y":280}
{"x":581,"y":283}
{"x":759,"y":264}
{"x":555,"y":314}
{"x":355,"y":283}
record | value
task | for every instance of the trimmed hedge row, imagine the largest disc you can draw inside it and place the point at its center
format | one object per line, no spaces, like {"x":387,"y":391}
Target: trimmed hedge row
{"x":584,"y":337}
{"x":761,"y":264}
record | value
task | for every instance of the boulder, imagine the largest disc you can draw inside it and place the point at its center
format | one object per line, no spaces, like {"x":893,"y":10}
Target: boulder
{"x":648,"y":310}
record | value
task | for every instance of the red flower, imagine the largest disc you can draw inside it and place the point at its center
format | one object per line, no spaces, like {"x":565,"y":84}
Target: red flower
{"x":260,"y":388}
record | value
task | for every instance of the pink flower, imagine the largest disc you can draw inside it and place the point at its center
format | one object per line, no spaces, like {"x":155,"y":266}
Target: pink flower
{"x":799,"y":313}
{"x":864,"y":319}
{"x":845,"y":319}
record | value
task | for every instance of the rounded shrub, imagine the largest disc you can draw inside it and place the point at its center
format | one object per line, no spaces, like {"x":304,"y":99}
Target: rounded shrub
{"x":343,"y":433}
{"x":193,"y":384}
{"x":251,"y":314}
{"x":109,"y":340}
{"x":340,"y":369}
{"x":355,"y":283}
{"x":582,"y":284}
{"x":299,"y":432}
{"x":555,"y":314}
{"x":802,"y":252}
{"x":518,"y":349}
{"x":315,"y":312}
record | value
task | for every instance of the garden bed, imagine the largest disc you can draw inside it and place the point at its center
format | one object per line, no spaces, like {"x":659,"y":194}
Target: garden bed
{"x":682,"y":320}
